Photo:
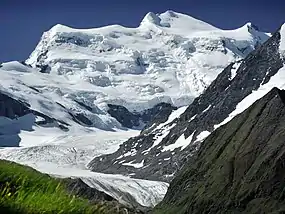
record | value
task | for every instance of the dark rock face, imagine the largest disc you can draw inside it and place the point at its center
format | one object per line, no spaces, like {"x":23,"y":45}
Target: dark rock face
{"x":207,"y":110}
{"x":13,"y":109}
{"x":84,"y":105}
{"x":123,"y":115}
{"x":43,"y":68}
{"x":131,"y":120}
{"x":77,"y":117}
{"x":76,"y":40}
{"x":239,"y":168}
{"x":81,"y":119}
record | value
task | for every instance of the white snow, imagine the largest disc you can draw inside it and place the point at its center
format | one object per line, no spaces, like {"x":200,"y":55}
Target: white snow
{"x":160,"y":136}
{"x":67,"y":150}
{"x":163,"y":129}
{"x":15,"y":66}
{"x":192,"y":118}
{"x":180,"y":142}
{"x":176,"y":114}
{"x":207,"y":108}
{"x":234,"y":70}
{"x":202,"y":136}
{"x":173,"y":22}
{"x":132,"y":152}
{"x":136,"y":165}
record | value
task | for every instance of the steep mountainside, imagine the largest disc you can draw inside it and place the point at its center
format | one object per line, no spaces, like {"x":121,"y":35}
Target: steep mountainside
{"x":161,"y":150}
{"x":239,"y":167}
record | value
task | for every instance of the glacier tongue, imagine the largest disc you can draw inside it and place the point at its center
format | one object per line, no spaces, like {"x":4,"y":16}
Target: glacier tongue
{"x":67,"y":156}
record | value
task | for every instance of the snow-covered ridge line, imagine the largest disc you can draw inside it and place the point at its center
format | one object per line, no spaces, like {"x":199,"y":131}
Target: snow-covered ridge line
{"x":149,"y":18}
{"x":278,"y":80}
{"x":141,"y":67}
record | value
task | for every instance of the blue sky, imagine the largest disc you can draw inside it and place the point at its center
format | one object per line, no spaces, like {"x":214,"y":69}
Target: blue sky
{"x":22,"y":22}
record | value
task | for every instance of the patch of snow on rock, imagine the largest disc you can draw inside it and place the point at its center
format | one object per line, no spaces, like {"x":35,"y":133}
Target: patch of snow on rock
{"x":180,"y":142}
{"x":136,"y":165}
{"x":207,"y":108}
{"x":174,"y":114}
{"x":234,"y":70}
{"x":278,"y":80}
{"x":202,"y":136}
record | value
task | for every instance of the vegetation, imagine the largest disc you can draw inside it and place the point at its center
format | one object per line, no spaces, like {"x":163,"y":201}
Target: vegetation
{"x":25,"y":190}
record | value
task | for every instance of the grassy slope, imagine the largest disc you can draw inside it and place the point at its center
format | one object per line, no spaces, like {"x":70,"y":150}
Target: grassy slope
{"x":25,"y":190}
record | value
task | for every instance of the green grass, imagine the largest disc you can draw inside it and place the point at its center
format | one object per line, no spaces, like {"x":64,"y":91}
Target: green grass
{"x":25,"y":190}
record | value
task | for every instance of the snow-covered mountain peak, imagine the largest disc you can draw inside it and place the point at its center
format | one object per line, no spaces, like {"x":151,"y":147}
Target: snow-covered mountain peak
{"x":175,"y":22}
{"x":171,"y":57}
{"x":250,"y":25}
{"x":184,"y":22}
{"x":151,"y":18}
{"x":254,"y":30}
{"x":59,"y":28}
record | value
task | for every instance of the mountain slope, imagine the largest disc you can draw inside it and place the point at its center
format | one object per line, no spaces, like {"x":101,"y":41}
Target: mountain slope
{"x":239,"y":167}
{"x":163,"y":149}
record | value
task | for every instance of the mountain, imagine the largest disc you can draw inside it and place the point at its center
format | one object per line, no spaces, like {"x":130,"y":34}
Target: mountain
{"x":160,"y":151}
{"x":239,"y":168}
{"x":83,"y":92}
{"x":112,"y":78}
{"x":169,"y":58}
